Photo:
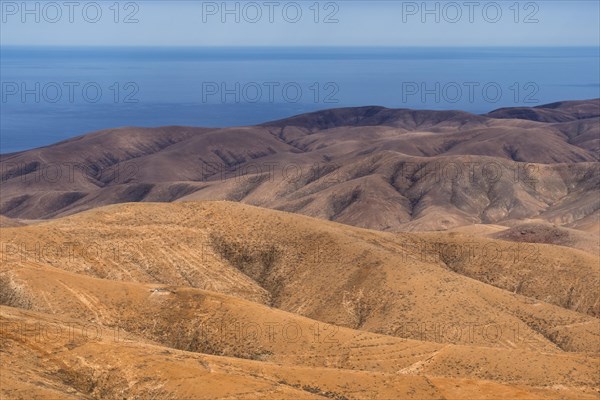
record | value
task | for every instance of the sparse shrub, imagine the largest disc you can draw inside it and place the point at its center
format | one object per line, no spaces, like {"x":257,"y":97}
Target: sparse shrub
{"x":12,"y":294}
{"x":356,"y":306}
{"x":256,"y":260}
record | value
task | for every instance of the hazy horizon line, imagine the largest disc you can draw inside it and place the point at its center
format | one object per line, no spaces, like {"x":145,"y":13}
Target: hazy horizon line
{"x":302,"y":46}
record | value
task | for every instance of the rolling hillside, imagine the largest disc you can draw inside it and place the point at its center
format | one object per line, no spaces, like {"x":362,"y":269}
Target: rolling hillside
{"x":372,"y":167}
{"x":287,"y":305}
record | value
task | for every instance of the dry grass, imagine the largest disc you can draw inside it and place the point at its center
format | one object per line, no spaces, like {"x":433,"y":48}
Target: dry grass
{"x":191,"y":283}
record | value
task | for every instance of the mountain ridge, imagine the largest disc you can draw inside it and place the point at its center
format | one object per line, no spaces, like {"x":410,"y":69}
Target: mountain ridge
{"x":462,"y":167}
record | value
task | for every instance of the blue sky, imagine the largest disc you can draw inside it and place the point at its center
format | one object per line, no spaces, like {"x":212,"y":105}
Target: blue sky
{"x":359,"y":23}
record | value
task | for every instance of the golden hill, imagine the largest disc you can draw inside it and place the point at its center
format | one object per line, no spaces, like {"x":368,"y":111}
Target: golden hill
{"x":374,"y":281}
{"x":71,"y":364}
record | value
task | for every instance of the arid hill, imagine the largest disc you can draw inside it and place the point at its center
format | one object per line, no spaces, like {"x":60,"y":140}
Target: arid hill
{"x":313,"y":268}
{"x":358,"y":253}
{"x":73,"y":366}
{"x":214,"y":299}
{"x":372,"y":167}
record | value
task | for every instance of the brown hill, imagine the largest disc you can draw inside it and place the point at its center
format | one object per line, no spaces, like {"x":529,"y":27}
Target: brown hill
{"x":174,"y":295}
{"x":561,"y":111}
{"x":329,"y":272}
{"x":370,"y":166}
{"x":6,"y":222}
{"x":113,"y":303}
{"x":540,"y":232}
{"x":72,"y":364}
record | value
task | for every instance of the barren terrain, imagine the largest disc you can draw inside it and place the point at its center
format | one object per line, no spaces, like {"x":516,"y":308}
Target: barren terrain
{"x":362,"y":253}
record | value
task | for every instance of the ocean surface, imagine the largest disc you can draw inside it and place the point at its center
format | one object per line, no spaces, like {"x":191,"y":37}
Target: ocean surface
{"x":51,"y":94}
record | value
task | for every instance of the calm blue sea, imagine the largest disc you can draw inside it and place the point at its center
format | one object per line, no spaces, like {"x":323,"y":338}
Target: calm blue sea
{"x":50,"y":94}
